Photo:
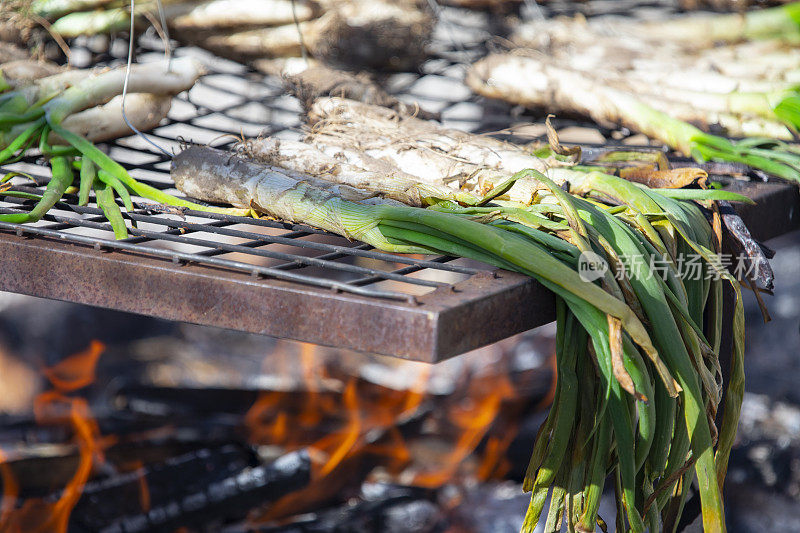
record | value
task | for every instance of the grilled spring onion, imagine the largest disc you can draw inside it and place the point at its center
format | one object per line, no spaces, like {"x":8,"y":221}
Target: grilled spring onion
{"x":28,"y":69}
{"x":778,"y":22}
{"x":304,"y":158}
{"x":624,"y":55}
{"x":605,"y":69}
{"x":183,"y":16}
{"x":55,"y":8}
{"x":691,"y":32}
{"x":632,"y":400}
{"x":532,"y":80}
{"x":105,"y":122}
{"x":378,"y":34}
{"x":731,"y":85}
{"x":388,"y":143}
{"x":350,"y":130}
{"x":38,"y":115}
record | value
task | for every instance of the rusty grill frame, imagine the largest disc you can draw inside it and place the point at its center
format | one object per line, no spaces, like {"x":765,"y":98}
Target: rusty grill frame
{"x":144,"y":275}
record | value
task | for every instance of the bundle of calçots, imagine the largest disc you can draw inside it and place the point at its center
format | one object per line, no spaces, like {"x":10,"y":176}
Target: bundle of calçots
{"x":734,"y":73}
{"x":61,"y":115}
{"x":639,"y":382}
{"x":380,"y":34}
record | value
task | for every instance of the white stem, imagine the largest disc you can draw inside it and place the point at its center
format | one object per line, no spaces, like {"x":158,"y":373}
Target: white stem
{"x":105,"y":122}
{"x":217,"y":176}
{"x":161,"y":78}
{"x":536,"y":82}
{"x":221,"y":14}
{"x":24,"y":71}
{"x":303,"y":157}
{"x":425,"y":149}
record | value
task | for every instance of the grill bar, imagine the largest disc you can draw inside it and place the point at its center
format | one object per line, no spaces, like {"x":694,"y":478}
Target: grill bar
{"x":256,"y":239}
{"x":430,"y":327}
{"x":178,"y":257}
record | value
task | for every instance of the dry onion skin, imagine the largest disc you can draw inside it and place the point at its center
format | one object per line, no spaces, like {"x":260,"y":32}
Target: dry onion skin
{"x":603,"y":69}
{"x":380,"y":34}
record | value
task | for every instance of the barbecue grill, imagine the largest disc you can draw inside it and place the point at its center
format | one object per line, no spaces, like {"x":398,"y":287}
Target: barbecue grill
{"x":285,"y":280}
{"x":171,"y":407}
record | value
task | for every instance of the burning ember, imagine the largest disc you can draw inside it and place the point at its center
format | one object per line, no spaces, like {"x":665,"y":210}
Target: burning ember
{"x":366,"y":423}
{"x":167,"y":458}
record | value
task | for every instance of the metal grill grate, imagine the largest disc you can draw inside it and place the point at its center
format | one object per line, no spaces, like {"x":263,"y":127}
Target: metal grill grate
{"x":263,"y":275}
{"x":231,"y":101}
{"x":234,"y":101}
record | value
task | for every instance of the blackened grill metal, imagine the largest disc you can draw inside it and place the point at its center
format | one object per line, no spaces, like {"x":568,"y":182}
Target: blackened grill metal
{"x":263,"y":275}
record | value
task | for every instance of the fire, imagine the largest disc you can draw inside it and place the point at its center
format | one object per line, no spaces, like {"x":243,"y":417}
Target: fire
{"x":312,"y":412}
{"x":341,"y":444}
{"x":473,"y":417}
{"x":363,"y":425}
{"x":76,"y":371}
{"x":350,"y":426}
{"x":138,"y":467}
{"x":10,"y":492}
{"x":56,"y":407}
{"x":274,"y":432}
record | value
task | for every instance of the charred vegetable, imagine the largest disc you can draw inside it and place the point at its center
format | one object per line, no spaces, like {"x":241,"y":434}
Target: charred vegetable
{"x":52,"y":113}
{"x":379,"y":34}
{"x":746,"y":89}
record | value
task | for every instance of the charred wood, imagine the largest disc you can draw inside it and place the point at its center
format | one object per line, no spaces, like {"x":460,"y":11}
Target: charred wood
{"x":197,"y":490}
{"x":377,"y":507}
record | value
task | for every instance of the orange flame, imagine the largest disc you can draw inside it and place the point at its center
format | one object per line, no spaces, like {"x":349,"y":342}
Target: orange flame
{"x":144,"y":490}
{"x":312,"y":413}
{"x":494,"y":463}
{"x":76,"y":371}
{"x":337,"y":446}
{"x":474,"y":418}
{"x":54,"y":407}
{"x":137,"y":467}
{"x":10,"y":492}
{"x":363,"y":410}
{"x":274,"y":432}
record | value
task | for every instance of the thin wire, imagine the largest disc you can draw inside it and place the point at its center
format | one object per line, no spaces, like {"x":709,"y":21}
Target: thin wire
{"x":299,"y":33}
{"x":165,"y":29}
{"x":437,"y":12}
{"x":127,"y":77}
